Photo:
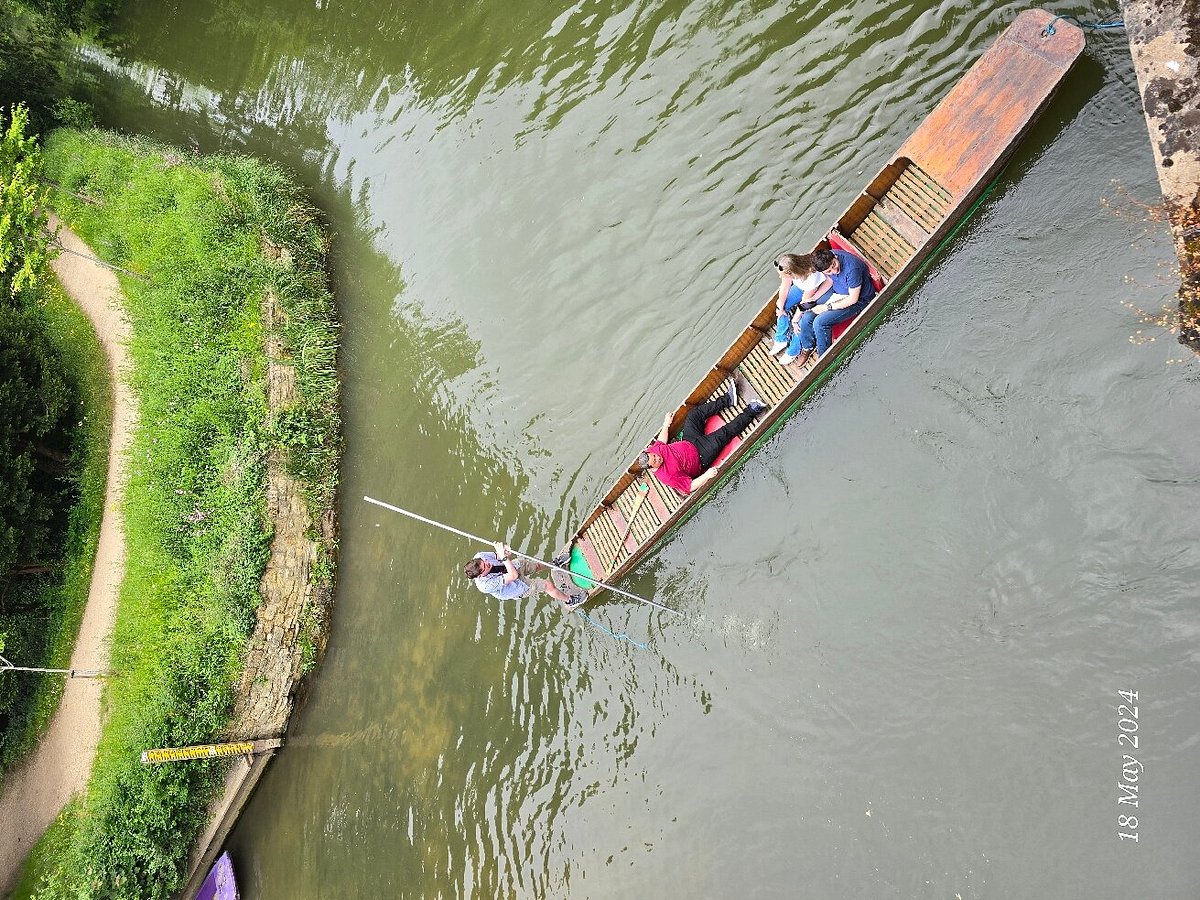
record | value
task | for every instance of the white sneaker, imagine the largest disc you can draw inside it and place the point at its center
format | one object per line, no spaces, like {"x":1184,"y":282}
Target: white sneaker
{"x":777,"y":346}
{"x":786,"y":359}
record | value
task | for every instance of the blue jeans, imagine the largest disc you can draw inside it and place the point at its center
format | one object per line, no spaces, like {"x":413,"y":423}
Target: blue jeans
{"x":816,"y":331}
{"x":783,"y":326}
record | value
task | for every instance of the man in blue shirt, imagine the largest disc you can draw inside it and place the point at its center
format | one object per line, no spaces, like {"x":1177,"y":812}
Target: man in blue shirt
{"x":852,"y":290}
{"x":497,"y":575}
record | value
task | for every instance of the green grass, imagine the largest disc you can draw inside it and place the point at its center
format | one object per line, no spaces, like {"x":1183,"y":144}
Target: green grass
{"x":211,"y":238}
{"x":63,"y":595}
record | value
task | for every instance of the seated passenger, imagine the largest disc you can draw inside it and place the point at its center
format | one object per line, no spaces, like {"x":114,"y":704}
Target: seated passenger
{"x":799,"y":285}
{"x":852,"y":290}
{"x":678,"y":464}
{"x":497,"y":575}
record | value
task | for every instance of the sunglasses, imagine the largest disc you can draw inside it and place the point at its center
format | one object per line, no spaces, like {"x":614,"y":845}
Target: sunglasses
{"x":778,"y":266}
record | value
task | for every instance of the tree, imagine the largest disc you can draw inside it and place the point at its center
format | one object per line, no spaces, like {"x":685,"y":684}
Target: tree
{"x":34,"y":398}
{"x":33,"y":401}
{"x":23,"y":237}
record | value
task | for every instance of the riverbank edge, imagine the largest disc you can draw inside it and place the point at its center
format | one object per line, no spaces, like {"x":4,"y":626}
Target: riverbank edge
{"x":292,"y":628}
{"x":1166,"y":58}
{"x":296,"y":589}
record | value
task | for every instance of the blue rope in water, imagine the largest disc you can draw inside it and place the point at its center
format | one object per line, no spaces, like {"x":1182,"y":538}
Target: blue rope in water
{"x":620,"y":637}
{"x":1095,"y":26}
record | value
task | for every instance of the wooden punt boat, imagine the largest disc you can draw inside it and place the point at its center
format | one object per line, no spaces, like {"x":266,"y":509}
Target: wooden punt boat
{"x":897,"y":225}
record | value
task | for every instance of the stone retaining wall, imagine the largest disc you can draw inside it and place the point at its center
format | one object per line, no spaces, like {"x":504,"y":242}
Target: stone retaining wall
{"x":292,"y":622}
{"x":1164,"y":38}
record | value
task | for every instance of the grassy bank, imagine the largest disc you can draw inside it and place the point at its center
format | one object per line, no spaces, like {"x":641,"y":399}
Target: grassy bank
{"x":211,"y":239}
{"x":53,"y":603}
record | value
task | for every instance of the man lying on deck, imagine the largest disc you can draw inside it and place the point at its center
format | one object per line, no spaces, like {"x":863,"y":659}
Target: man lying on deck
{"x":852,"y":290}
{"x":498,"y":576}
{"x":678,"y":464}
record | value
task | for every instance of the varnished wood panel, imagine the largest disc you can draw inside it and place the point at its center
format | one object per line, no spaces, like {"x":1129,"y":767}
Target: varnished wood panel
{"x":989,"y":108}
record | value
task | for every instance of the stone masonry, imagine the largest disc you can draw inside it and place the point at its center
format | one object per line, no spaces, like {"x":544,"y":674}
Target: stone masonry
{"x":295,"y":606}
{"x":1164,"y":38}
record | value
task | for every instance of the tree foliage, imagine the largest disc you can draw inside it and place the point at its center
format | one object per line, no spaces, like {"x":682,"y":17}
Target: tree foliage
{"x":33,"y":395}
{"x":37,"y":42}
{"x":23,"y":199}
{"x":33,"y":400}
{"x":32,"y":53}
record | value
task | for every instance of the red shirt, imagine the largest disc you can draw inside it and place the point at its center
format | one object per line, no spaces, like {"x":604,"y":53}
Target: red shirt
{"x":681,"y":463}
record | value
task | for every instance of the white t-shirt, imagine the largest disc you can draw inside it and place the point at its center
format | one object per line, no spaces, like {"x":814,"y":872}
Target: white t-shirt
{"x":809,"y":282}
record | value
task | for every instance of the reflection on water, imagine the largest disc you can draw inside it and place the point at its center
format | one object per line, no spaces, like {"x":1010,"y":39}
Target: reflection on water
{"x":902,"y":627}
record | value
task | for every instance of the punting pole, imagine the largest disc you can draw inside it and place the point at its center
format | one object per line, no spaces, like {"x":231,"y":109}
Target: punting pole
{"x":482,"y":540}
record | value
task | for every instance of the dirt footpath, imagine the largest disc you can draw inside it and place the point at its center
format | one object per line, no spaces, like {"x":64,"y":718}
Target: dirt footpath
{"x":37,"y":790}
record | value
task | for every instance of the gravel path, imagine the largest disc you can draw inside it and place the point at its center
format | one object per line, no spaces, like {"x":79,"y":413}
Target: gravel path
{"x":37,"y":790}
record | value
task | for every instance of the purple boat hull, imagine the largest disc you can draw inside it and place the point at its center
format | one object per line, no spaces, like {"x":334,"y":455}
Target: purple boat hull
{"x":220,"y":883}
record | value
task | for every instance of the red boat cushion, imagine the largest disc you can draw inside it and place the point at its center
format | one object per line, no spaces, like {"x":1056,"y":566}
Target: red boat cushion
{"x":713,"y":423}
{"x":837,"y":330}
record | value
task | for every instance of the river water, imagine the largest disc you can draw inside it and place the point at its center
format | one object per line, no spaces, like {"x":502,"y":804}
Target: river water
{"x":904,"y":625}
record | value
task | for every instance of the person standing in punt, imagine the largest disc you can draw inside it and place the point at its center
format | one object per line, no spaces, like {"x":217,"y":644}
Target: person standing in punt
{"x":679,"y":464}
{"x":852,"y":290}
{"x":799,"y":286}
{"x":498,"y":576}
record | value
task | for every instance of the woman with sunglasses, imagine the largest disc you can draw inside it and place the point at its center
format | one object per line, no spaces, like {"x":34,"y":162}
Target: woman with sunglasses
{"x":800,"y":284}
{"x":851,"y":291}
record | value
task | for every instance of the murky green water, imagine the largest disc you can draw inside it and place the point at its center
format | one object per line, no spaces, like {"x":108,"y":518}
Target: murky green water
{"x":905,"y":623}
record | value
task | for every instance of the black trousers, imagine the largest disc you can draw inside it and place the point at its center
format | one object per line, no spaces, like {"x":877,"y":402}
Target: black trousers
{"x":709,"y":446}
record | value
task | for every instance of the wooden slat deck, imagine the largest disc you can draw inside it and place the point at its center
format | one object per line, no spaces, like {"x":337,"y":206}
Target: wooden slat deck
{"x":766,"y":375}
{"x":882,"y":245}
{"x":627,"y":504}
{"x":620,"y":522}
{"x":642,"y":514}
{"x":604,"y":537}
{"x":644,"y":524}
{"x":799,"y":372}
{"x":920,"y":198}
{"x":897,"y":222}
{"x":664,"y":500}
